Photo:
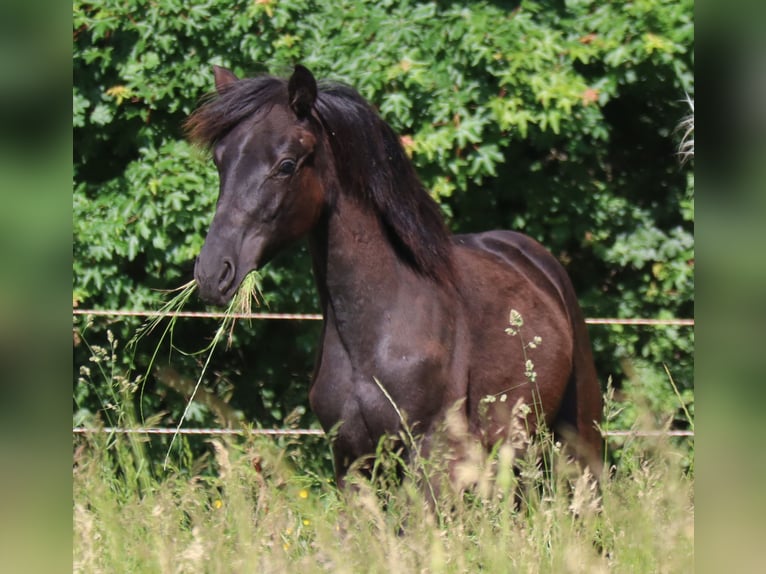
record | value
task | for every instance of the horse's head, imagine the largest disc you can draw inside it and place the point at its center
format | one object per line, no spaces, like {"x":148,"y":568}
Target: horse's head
{"x":270,"y":190}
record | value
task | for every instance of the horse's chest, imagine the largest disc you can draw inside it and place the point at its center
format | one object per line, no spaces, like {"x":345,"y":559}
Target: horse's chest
{"x":378,"y":381}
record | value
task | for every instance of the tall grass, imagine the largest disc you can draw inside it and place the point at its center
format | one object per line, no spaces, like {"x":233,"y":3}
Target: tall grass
{"x":258,"y":514}
{"x":253,"y":510}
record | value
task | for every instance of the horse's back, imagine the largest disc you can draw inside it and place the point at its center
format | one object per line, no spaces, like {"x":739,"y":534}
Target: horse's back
{"x":521,"y":253}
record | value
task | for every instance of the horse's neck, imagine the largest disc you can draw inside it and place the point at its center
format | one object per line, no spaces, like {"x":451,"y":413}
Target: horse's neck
{"x":357,"y":271}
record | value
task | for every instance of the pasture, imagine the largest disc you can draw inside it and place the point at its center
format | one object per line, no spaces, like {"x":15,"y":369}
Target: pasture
{"x":258,"y":504}
{"x":258,"y":512}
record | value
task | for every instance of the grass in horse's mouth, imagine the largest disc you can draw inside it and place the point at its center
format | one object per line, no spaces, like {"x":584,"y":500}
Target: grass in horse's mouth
{"x":241,"y":304}
{"x":249,"y":291}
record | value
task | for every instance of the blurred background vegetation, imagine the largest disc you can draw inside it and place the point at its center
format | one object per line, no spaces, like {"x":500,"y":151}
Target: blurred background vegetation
{"x":557,"y":119}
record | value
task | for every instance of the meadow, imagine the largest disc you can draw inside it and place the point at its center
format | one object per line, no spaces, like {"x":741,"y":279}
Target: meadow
{"x":257,"y":504}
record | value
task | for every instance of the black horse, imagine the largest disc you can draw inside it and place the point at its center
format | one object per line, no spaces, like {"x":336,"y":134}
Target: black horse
{"x":415,"y":319}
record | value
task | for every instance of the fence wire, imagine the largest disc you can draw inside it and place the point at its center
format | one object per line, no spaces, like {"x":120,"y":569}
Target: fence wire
{"x":318,"y":317}
{"x":319,"y":432}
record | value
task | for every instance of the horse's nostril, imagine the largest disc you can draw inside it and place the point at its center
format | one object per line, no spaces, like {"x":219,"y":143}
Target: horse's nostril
{"x":227,"y":275}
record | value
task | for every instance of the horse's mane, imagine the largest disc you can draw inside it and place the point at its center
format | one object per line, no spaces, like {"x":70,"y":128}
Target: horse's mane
{"x":221,"y":111}
{"x":370,"y":161}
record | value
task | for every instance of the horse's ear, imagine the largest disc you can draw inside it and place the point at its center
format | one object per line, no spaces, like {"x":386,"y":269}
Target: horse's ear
{"x":223,"y":77}
{"x":302,"y":91}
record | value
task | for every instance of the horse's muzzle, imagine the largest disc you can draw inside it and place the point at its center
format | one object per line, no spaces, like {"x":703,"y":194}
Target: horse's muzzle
{"x":215,"y":279}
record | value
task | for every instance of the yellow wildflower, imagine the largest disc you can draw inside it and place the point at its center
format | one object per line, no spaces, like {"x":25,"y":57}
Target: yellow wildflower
{"x":119,"y":93}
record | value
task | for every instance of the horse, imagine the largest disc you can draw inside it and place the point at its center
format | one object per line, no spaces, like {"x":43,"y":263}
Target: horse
{"x":415,"y":319}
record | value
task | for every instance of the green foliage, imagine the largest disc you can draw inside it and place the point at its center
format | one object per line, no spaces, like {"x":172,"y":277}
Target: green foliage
{"x":149,"y":223}
{"x":553,"y":118}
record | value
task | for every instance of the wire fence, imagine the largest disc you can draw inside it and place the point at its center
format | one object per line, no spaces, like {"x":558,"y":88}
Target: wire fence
{"x":319,"y":432}
{"x":200,"y":431}
{"x":317,"y":317}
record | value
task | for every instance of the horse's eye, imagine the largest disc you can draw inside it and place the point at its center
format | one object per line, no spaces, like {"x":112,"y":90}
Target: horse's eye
{"x":287,"y":167}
